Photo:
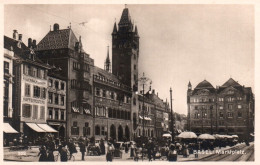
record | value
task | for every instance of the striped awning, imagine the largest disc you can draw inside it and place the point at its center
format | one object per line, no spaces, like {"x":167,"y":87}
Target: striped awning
{"x":35,"y":127}
{"x":47,"y":128}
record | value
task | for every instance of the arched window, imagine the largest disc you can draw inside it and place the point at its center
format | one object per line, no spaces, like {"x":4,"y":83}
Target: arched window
{"x":97,"y":130}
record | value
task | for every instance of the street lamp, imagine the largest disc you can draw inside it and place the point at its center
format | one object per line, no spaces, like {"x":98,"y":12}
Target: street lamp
{"x":172,"y":122}
{"x":143,"y":80}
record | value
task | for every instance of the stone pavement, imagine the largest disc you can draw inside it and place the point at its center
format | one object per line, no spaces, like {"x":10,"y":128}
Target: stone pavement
{"x":31,"y":155}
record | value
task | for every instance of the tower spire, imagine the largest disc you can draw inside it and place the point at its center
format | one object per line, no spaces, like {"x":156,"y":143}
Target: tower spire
{"x":107,"y":62}
{"x":115,"y":28}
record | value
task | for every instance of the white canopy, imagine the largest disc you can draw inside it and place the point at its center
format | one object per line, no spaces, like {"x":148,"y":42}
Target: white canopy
{"x":167,"y":135}
{"x":47,"y":128}
{"x":35,"y":127}
{"x":8,"y":128}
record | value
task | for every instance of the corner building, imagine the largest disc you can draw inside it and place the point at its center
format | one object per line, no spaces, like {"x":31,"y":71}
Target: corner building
{"x":62,"y":49}
{"x":227,"y":109}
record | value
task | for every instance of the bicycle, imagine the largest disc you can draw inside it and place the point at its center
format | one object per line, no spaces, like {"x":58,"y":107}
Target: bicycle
{"x":57,"y":157}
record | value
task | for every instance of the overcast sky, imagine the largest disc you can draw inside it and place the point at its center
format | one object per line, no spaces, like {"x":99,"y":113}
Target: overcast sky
{"x":178,"y":43}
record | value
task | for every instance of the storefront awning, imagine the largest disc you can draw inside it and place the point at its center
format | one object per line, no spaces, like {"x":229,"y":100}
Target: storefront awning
{"x":8,"y":128}
{"x":35,"y":127}
{"x":47,"y":128}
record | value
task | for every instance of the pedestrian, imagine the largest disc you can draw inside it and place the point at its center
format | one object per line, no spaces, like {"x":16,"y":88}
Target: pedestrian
{"x":196,"y":149}
{"x":63,"y":154}
{"x":82,"y":147}
{"x":57,"y":142}
{"x":42,"y":154}
{"x":132,"y":149}
{"x":102,"y":147}
{"x":150,"y":148}
{"x":126,"y":148}
{"x":172,"y":155}
{"x":136,"y":154}
{"x":110,"y":150}
{"x":50,"y":156}
{"x":72,"y":148}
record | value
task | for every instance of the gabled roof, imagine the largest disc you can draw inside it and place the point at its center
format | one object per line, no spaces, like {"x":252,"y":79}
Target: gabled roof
{"x":58,"y":39}
{"x":231,"y":82}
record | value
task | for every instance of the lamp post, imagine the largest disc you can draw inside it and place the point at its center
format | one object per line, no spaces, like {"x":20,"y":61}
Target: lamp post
{"x":143,"y":80}
{"x":172,"y":122}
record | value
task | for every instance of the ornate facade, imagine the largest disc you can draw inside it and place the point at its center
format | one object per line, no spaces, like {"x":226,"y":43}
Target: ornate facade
{"x":227,"y":109}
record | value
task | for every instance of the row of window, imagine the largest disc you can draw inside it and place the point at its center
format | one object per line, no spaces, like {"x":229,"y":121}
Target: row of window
{"x":210,"y":107}
{"x":99,"y":131}
{"x":76,"y":66}
{"x":220,"y":99}
{"x":201,"y":100}
{"x":34,"y":72}
{"x":148,"y":133}
{"x":112,"y":95}
{"x":119,"y":114}
{"x":56,"y":114}
{"x":221,"y":115}
{"x":33,"y":111}
{"x":204,"y":107}
{"x":75,"y":129}
{"x":85,"y":66}
{"x":56,"y":84}
{"x":38,"y":92}
{"x":57,"y":99}
{"x":85,"y":85}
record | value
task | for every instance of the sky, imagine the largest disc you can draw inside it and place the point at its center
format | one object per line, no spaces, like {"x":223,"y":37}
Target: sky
{"x":178,"y":43}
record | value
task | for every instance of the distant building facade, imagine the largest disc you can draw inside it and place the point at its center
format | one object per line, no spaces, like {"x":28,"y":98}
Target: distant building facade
{"x":228,"y":109}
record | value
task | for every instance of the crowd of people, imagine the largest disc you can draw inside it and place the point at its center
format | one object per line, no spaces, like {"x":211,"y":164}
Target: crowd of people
{"x":142,"y":147}
{"x":150,"y":149}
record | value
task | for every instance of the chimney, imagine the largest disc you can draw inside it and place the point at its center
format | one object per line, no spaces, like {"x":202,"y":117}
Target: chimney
{"x":20,"y":37}
{"x":29,"y":42}
{"x":56,"y":27}
{"x":153,"y":91}
{"x":34,"y":44}
{"x":15,"y":34}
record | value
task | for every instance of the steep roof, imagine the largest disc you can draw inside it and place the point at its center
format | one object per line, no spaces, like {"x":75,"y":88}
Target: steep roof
{"x":58,"y":39}
{"x":204,"y":84}
{"x":108,"y":75}
{"x":231,"y":82}
{"x":22,"y":52}
{"x":125,"y":18}
{"x":11,"y":44}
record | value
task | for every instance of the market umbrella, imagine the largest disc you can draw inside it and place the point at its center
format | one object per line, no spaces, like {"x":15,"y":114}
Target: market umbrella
{"x":167,"y":135}
{"x":187,"y":135}
{"x":206,"y":136}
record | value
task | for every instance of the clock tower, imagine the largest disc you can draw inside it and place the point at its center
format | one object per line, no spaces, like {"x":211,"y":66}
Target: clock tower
{"x":125,"y":51}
